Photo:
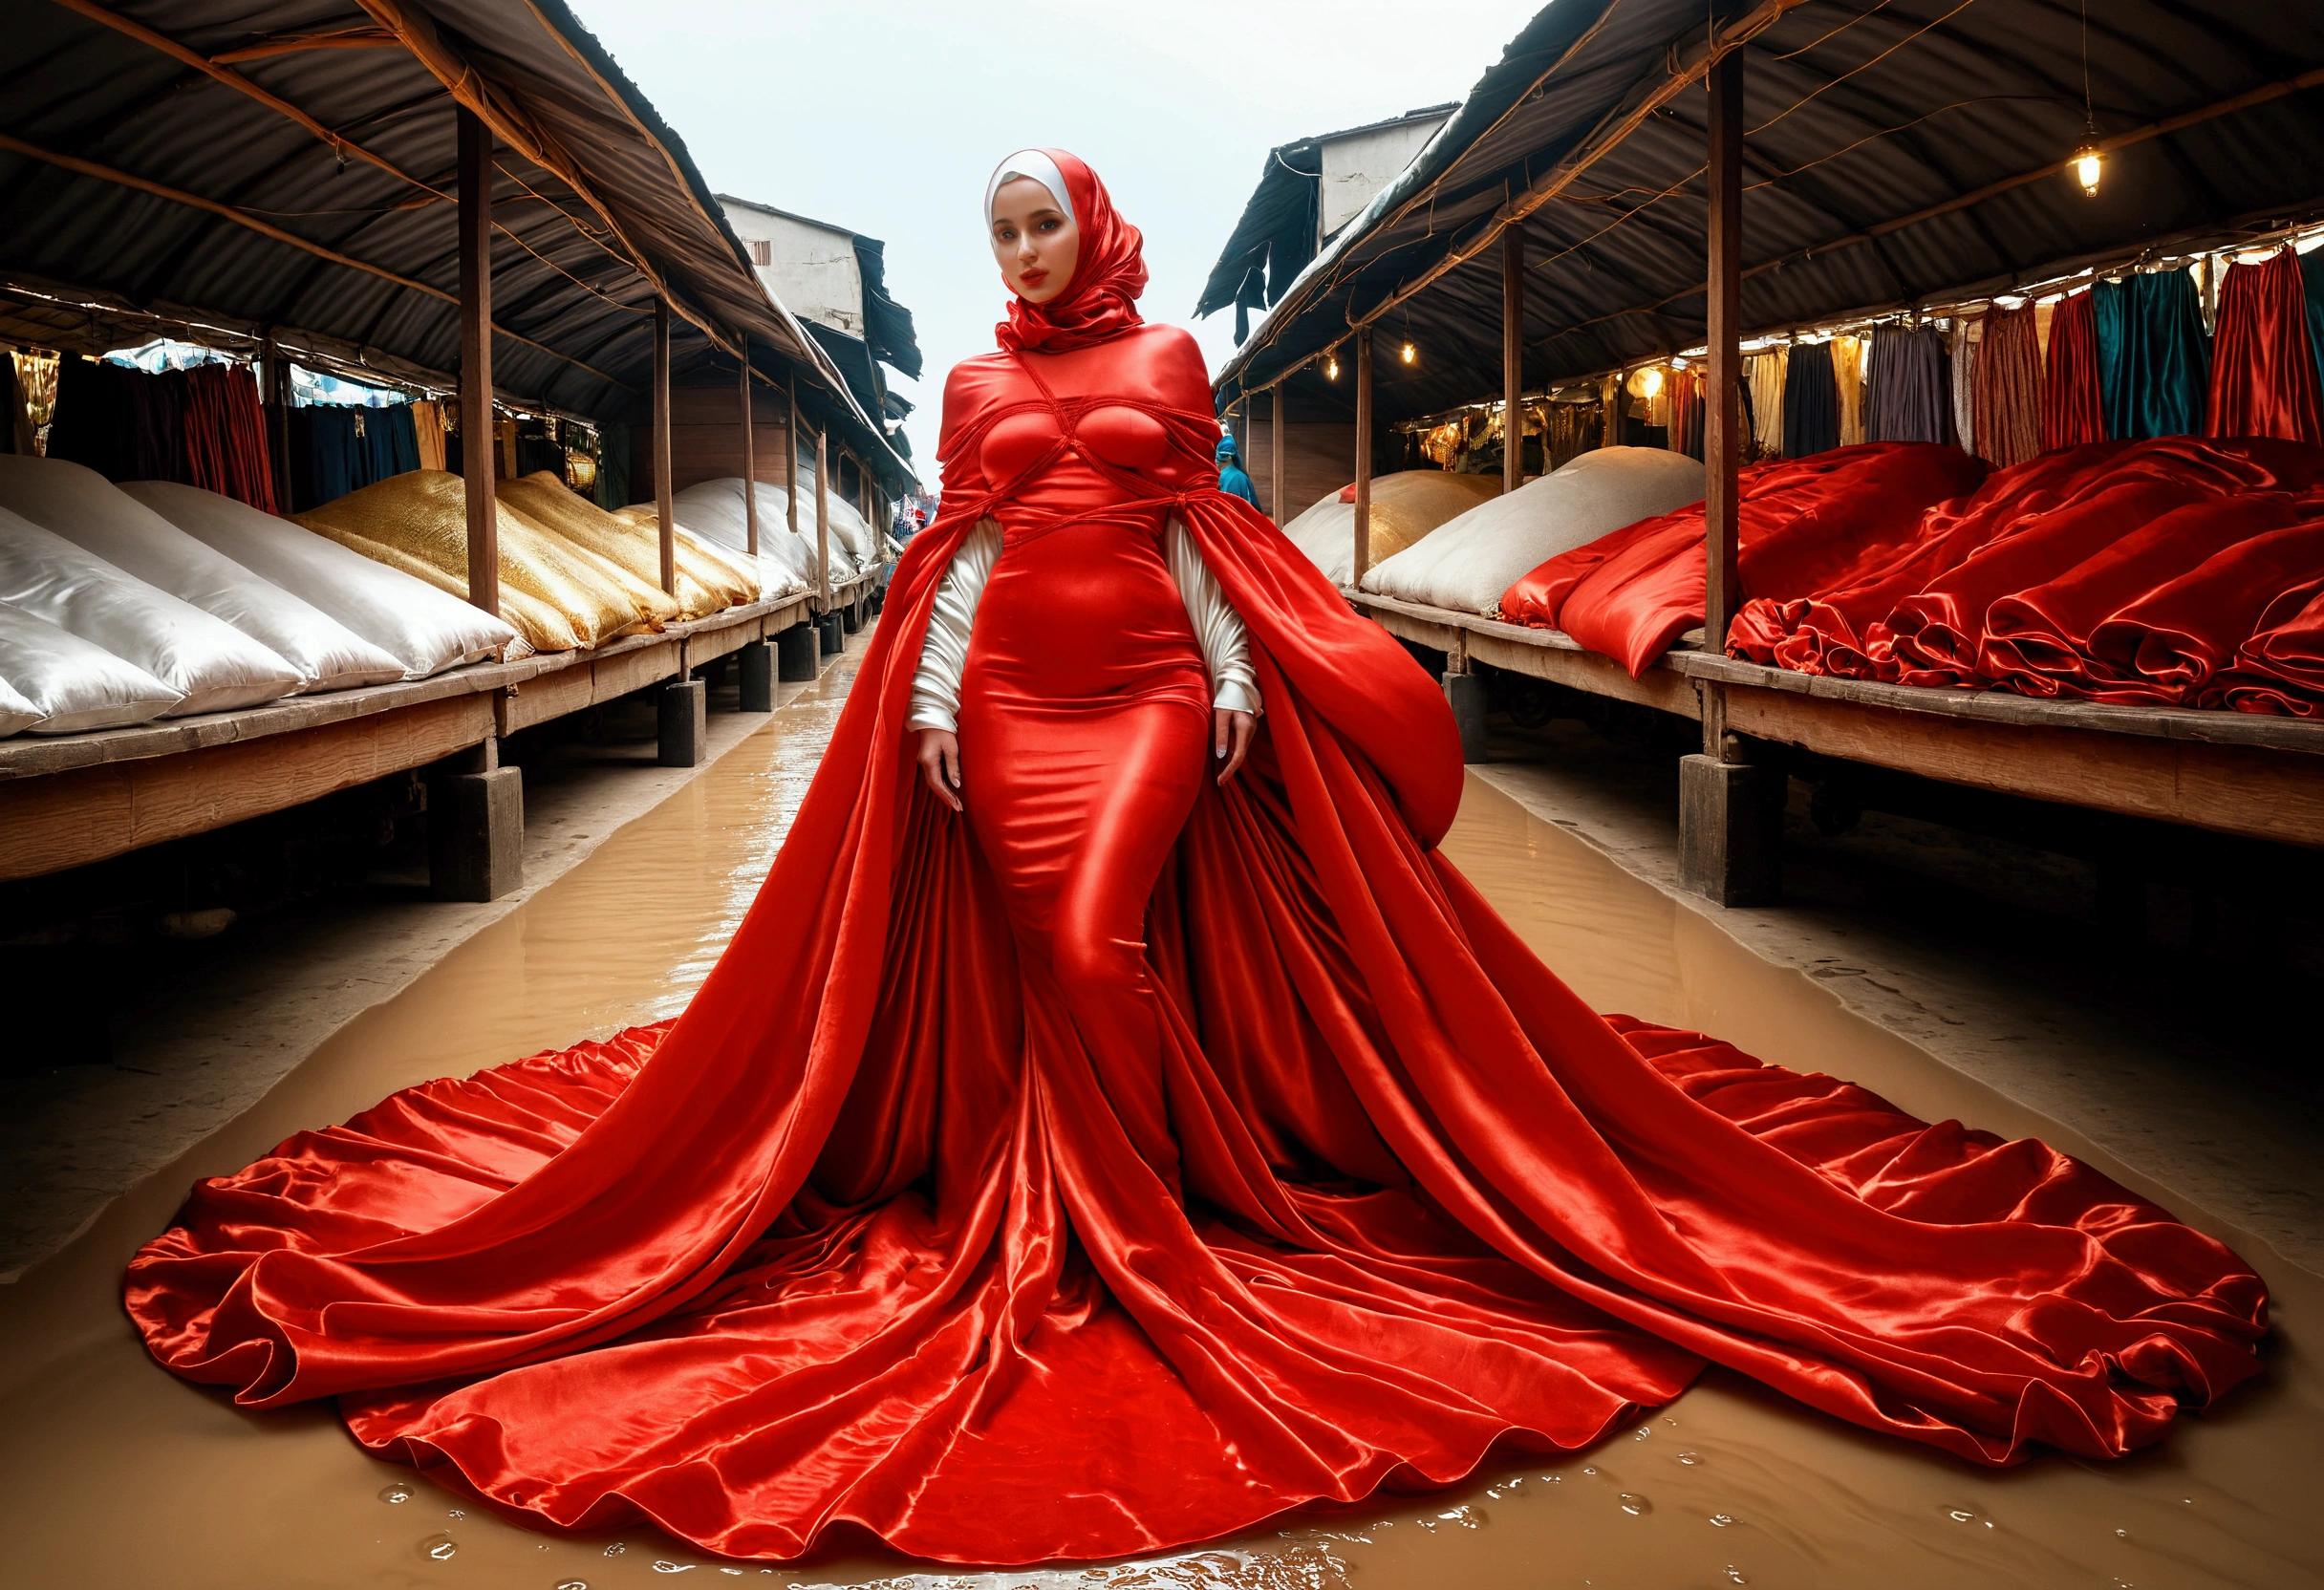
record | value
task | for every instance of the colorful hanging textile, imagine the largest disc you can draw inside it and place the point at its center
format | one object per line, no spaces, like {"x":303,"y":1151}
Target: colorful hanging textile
{"x":1767,"y":376}
{"x":2264,"y":378}
{"x":1848,"y":375}
{"x":2005,"y":389}
{"x":1961,"y":352}
{"x":1684,"y":397}
{"x":2311,"y":283}
{"x":2074,"y":408}
{"x":2154,"y":357}
{"x":1905,"y":395}
{"x":1811,"y":401}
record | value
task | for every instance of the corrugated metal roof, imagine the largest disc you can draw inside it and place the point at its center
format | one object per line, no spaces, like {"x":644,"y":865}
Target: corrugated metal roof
{"x":288,"y":164}
{"x":1895,"y":153}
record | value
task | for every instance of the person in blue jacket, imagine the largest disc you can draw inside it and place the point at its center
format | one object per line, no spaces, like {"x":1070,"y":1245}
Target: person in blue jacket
{"x":1231,"y":476}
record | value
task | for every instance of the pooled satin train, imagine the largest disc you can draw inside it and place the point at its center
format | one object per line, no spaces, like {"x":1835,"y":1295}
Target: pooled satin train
{"x":1016,"y":1191}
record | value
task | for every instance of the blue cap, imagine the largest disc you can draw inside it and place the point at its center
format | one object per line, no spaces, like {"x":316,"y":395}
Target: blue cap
{"x":1226,"y":448}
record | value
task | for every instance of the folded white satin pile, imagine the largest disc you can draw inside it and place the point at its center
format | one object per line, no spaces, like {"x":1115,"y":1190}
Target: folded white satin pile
{"x":214,"y":666}
{"x":713,"y":511}
{"x":97,"y":516}
{"x":422,"y":630}
{"x":53,"y":682}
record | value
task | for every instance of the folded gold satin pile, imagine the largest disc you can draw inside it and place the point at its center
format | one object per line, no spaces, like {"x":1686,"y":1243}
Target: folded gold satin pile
{"x":708,"y":579}
{"x":557,"y":594}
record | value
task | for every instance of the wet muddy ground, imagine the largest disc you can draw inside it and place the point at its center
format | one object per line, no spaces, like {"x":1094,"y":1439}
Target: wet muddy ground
{"x":113,"y":1474}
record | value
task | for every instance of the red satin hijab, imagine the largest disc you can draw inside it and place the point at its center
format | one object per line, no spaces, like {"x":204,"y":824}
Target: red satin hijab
{"x":1101,"y":301}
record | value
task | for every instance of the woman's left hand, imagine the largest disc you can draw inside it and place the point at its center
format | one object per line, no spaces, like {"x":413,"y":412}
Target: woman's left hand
{"x":1231,"y":737}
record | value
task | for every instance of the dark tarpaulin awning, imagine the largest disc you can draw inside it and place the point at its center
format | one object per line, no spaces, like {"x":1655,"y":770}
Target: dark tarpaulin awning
{"x":1894,"y":153}
{"x":286,"y":168}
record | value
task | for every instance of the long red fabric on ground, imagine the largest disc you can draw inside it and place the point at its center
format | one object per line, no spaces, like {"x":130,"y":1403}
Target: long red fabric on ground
{"x":1631,"y":594}
{"x":958,"y":1210}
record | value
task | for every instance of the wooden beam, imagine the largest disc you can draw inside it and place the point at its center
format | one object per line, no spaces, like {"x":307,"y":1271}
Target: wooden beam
{"x":265,"y":229}
{"x":750,"y":461}
{"x":1723,"y":583}
{"x":790,"y":449}
{"x":663,"y":512}
{"x":1363,"y":455}
{"x":1512,"y":358}
{"x":823,"y":514}
{"x":1644,"y":104}
{"x":221,"y":69}
{"x":1276,"y":468}
{"x":74,"y":818}
{"x":477,"y":437}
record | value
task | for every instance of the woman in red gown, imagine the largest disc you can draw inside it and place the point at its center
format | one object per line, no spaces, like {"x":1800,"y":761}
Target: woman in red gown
{"x":1079,"y":1153}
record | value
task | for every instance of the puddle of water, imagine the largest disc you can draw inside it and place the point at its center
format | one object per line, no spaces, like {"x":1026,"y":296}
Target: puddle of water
{"x":115,"y":1474}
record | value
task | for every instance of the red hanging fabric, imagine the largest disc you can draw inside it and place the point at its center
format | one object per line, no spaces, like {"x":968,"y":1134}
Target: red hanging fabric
{"x":2005,"y":388}
{"x":2073,"y":404}
{"x":2263,"y":375}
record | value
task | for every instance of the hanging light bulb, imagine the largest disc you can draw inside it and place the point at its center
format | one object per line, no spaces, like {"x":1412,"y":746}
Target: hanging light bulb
{"x":1651,"y":383}
{"x":1331,"y":367}
{"x":1409,"y":353}
{"x":2088,"y":165}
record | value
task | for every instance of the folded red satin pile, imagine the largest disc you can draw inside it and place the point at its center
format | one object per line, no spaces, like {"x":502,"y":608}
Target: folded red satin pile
{"x":2176,"y":572}
{"x":1803,"y":523}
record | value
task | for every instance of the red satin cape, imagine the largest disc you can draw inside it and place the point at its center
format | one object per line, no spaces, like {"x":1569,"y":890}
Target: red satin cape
{"x":845,"y":1249}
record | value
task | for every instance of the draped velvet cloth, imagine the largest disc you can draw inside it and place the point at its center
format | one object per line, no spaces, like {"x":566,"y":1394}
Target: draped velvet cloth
{"x":2154,"y":356}
{"x":2264,"y":376}
{"x":1131,"y":1158}
{"x":2074,"y":400}
{"x":2126,"y":572}
{"x":2006,"y":388}
{"x":1811,"y":401}
{"x":1630,"y":593}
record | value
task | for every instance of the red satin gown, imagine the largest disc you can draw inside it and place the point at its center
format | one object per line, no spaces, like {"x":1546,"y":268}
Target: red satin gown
{"x":1131,"y":1159}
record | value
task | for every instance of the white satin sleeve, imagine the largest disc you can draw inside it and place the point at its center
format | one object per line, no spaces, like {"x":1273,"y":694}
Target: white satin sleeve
{"x":1226,"y":644}
{"x":936,"y":685}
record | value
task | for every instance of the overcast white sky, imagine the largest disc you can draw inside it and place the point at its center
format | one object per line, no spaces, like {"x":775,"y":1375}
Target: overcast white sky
{"x":887,"y":116}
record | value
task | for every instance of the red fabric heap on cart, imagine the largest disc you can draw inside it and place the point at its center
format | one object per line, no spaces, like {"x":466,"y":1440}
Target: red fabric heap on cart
{"x":2127,"y":571}
{"x":1801,"y":522}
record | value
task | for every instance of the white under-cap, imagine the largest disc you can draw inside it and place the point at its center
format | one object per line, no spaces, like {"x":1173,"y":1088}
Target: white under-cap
{"x":1040,"y":168}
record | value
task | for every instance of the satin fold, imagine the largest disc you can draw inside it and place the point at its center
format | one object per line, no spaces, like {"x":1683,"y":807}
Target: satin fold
{"x":1129,"y":1158}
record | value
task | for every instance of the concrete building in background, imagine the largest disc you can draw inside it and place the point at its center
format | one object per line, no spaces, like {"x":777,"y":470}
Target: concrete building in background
{"x":835,"y":282}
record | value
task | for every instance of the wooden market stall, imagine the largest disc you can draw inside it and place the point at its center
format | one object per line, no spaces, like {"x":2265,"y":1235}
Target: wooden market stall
{"x":465,"y":196}
{"x":1636,"y":182}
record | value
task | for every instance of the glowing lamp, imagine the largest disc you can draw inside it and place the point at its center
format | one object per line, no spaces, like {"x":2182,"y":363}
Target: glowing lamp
{"x":1651,"y":383}
{"x":2088,"y":167}
{"x":1331,"y":367}
{"x":1409,"y":353}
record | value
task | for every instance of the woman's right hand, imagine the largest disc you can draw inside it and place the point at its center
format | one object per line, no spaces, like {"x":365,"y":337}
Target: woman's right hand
{"x":940,"y":765}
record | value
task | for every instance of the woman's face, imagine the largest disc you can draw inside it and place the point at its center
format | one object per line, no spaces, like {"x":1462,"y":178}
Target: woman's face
{"x":1035,"y":242}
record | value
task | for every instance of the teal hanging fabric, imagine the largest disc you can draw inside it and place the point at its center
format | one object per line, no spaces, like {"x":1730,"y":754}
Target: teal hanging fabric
{"x":2110,"y":304}
{"x":2154,"y":357}
{"x":2311,"y":283}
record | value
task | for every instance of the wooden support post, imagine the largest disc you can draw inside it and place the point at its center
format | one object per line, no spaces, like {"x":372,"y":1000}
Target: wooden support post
{"x":823,"y":515}
{"x":476,"y":827}
{"x":1276,"y":444}
{"x":750,"y":456}
{"x":1513,"y":357}
{"x":476,"y":438}
{"x":1723,"y":584}
{"x":1363,"y":455}
{"x":790,"y":451}
{"x":664,"y":511}
{"x":1730,"y":812}
{"x":274,"y":389}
